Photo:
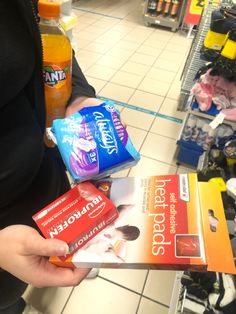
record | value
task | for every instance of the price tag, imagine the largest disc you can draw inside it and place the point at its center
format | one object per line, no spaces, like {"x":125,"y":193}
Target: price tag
{"x":217,"y":121}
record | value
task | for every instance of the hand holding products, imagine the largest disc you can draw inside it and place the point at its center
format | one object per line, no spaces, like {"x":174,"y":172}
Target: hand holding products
{"x":94,"y":143}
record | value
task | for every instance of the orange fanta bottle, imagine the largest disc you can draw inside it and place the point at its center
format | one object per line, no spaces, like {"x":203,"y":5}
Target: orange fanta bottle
{"x":57,"y":61}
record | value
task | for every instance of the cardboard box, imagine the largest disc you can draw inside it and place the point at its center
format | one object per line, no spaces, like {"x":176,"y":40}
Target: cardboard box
{"x":77,"y":216}
{"x":165,"y":222}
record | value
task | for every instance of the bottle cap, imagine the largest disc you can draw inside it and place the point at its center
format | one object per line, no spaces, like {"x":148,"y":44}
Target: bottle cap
{"x":49,"y":8}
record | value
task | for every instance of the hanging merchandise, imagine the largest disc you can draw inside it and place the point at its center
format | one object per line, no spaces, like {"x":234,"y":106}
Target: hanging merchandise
{"x":229,"y":50}
{"x":222,"y":24}
{"x":57,"y":58}
{"x":214,"y":88}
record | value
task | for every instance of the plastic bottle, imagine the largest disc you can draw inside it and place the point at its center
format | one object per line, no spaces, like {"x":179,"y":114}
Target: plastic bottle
{"x":167,"y":7}
{"x":57,"y":60}
{"x":175,"y":7}
{"x":152,"y":5}
{"x":159,"y":6}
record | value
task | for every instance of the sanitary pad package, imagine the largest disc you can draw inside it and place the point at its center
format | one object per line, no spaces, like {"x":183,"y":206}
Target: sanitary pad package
{"x":93,"y":142}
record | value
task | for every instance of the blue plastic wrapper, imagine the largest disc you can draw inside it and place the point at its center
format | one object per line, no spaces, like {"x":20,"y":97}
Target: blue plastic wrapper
{"x":93,"y":142}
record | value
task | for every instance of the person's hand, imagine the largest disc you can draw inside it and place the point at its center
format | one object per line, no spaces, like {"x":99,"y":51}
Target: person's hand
{"x":24,"y":253}
{"x":82,"y":102}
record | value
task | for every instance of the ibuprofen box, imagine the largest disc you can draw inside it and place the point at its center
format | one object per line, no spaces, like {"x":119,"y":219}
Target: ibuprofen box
{"x":165,"y":222}
{"x":76,"y":216}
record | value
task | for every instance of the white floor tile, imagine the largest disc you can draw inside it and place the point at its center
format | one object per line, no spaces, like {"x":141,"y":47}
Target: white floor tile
{"x":133,"y":279}
{"x":160,"y":148}
{"x":178,"y":48}
{"x":137,"y":119}
{"x":122,"y":28}
{"x":111,"y":61}
{"x":47,"y":300}
{"x":95,"y":29}
{"x":142,"y":58}
{"x":127,"y":45}
{"x":166,"y":128}
{"x":146,"y":100}
{"x":169,"y":108}
{"x":88,"y":55}
{"x":154,"y":86}
{"x":96,"y":83}
{"x":163,"y":35}
{"x":135,"y":68}
{"x":169,"y":65}
{"x":101,"y":72}
{"x":97,"y":47}
{"x":170,"y":55}
{"x":148,"y":50}
{"x":117,"y":52}
{"x":85,"y":35}
{"x":126,"y":79}
{"x":174,"y":91}
{"x":150,"y":167}
{"x":137,"y":136}
{"x":149,"y":307}
{"x":159,"y":285}
{"x":156,"y":43}
{"x":161,"y":75}
{"x":101,"y":297}
{"x":117,"y":92}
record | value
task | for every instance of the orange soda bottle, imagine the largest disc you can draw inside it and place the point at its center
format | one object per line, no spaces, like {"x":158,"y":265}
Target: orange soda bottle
{"x":57,"y":62}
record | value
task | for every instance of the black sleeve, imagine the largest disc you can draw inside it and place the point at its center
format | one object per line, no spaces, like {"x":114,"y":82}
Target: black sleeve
{"x":80,"y":86}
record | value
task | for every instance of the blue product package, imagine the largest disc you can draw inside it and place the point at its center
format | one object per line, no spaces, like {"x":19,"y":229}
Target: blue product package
{"x":93,"y":142}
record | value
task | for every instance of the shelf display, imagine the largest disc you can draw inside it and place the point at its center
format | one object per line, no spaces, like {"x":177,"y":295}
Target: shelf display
{"x":208,"y":93}
{"x":167,"y":13}
{"x":194,"y":60}
{"x":212,"y":95}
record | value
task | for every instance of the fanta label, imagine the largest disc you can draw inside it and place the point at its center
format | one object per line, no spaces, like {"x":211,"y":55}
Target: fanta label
{"x":56,"y":75}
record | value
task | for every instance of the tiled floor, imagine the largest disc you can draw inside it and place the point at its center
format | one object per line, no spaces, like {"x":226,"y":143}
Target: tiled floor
{"x":139,"y":66}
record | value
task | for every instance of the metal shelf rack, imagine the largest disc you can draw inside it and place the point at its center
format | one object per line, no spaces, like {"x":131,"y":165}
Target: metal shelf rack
{"x":166,"y":21}
{"x":194,"y":62}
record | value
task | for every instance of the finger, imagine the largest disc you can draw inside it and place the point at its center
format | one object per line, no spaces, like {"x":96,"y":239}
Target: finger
{"x":59,"y":276}
{"x":37,"y":245}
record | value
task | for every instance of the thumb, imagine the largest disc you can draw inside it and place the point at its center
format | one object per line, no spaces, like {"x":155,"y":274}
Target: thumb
{"x":37,"y":245}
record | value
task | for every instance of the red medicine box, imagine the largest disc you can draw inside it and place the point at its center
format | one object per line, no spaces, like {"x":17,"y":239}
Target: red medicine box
{"x":77,"y":216}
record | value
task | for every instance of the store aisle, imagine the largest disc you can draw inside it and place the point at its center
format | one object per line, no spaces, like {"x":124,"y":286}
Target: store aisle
{"x":140,"y":68}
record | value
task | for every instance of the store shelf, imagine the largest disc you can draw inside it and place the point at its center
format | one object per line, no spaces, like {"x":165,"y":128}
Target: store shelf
{"x":165,"y":20}
{"x":172,"y":23}
{"x":175,"y":302}
{"x":210,"y":117}
{"x":194,"y":62}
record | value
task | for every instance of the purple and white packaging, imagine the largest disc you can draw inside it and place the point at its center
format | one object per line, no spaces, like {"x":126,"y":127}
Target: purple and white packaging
{"x":93,"y":142}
